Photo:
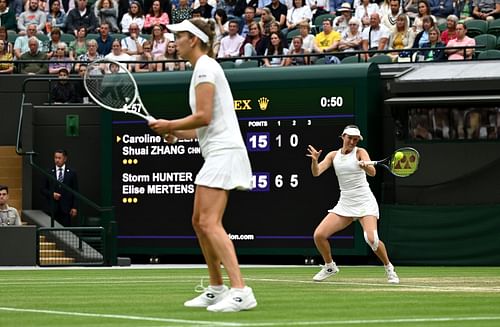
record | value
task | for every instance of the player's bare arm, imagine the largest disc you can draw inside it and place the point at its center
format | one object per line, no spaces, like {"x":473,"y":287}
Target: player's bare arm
{"x":364,"y":157}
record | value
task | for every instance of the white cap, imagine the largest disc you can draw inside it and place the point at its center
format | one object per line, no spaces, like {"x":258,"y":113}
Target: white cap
{"x":187,"y":26}
{"x":352,"y":131}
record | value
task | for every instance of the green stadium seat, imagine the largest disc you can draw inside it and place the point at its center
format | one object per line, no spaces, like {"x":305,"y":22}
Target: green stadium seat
{"x":381,"y":59}
{"x":489,"y":54}
{"x":487,"y":40}
{"x":227,"y":64}
{"x":92,"y":36}
{"x":118,"y":36}
{"x":494,"y":27}
{"x":291,"y":34}
{"x":249,"y":64}
{"x":476,"y":27}
{"x":320,"y":61}
{"x":67,"y":38}
{"x":442,"y":27}
{"x":11,"y":36}
{"x":352,"y":60}
{"x":318,"y":21}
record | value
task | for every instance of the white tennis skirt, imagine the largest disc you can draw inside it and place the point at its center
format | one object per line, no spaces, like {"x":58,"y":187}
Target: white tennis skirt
{"x":226,"y":170}
{"x":356,"y":204}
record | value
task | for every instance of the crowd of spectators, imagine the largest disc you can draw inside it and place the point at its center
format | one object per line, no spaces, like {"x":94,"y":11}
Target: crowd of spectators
{"x":69,"y":32}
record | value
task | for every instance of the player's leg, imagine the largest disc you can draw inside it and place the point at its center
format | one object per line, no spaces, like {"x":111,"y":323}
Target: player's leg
{"x":369,"y":224}
{"x":211,"y":204}
{"x":331,"y":224}
{"x":204,"y":220}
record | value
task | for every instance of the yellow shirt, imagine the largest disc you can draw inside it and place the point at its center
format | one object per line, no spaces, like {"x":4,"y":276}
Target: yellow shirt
{"x":324,"y":41}
{"x":4,"y":65}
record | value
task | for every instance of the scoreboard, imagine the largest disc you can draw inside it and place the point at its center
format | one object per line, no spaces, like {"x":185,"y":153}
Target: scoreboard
{"x":280,"y":112}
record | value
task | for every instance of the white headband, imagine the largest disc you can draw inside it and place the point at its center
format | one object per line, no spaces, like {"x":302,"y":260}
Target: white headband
{"x":187,"y":26}
{"x":352,"y":131}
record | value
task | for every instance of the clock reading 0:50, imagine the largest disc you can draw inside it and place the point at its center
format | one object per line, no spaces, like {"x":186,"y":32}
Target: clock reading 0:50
{"x":331,"y":102}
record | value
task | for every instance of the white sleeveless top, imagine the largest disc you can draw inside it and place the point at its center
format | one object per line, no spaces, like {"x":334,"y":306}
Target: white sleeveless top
{"x":356,"y":198}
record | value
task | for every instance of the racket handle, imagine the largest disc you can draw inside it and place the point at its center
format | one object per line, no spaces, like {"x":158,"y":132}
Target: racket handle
{"x":150,"y":119}
{"x":373,"y":163}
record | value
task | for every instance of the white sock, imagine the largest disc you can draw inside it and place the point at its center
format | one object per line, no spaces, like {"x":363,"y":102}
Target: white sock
{"x":217,"y":288}
{"x":330,"y":264}
{"x":389,"y":266}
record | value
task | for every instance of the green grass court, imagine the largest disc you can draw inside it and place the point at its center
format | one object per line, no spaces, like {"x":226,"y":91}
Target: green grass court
{"x":357,"y":296}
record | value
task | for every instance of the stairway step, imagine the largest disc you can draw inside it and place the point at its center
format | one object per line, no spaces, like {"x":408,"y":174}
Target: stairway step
{"x":56,"y":261}
{"x":52,"y":253}
{"x":48,"y":246}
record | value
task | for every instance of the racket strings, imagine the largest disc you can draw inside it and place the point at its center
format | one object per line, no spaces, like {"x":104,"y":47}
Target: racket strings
{"x":113,"y":90}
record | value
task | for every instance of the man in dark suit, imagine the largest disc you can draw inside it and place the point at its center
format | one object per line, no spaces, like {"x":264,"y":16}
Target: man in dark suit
{"x":63,"y":204}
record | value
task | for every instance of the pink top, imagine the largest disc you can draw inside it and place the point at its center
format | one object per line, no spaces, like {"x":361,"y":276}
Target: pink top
{"x":152,"y":21}
{"x":466,"y":41}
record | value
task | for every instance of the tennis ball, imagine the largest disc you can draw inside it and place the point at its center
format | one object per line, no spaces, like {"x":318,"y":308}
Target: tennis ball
{"x":398,"y":155}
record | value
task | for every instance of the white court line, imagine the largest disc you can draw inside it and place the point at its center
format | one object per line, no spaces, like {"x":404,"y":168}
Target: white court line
{"x":126,"y":317}
{"x":258,"y":324}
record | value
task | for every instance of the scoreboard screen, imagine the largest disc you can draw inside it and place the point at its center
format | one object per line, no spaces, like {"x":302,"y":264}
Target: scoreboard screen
{"x":152,"y":182}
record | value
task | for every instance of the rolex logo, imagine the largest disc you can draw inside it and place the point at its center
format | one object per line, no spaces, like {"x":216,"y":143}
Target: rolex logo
{"x":263,"y":103}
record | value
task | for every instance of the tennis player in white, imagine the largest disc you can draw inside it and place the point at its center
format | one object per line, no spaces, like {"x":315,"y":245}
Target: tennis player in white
{"x":227,"y":166}
{"x":356,"y":202}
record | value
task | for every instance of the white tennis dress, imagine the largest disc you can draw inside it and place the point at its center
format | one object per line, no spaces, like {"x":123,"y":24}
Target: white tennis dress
{"x":227,"y":165}
{"x":356,"y":198}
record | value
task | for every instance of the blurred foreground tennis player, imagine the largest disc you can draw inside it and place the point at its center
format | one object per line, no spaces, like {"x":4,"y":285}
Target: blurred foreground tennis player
{"x":356,"y":202}
{"x":227,"y":166}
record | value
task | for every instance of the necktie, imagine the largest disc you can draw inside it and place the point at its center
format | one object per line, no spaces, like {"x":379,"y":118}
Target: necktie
{"x":60,"y":176}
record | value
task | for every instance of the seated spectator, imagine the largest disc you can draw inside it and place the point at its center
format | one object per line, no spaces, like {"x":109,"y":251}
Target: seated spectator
{"x":248,"y":18}
{"x":159,"y":41}
{"x":275,"y":28}
{"x":463,"y":9}
{"x":144,"y":65}
{"x":230,"y":44}
{"x":341,"y":23}
{"x":319,"y":7}
{"x":63,"y":91}
{"x":300,"y":12}
{"x":16,"y":6}
{"x":423,"y":36}
{"x":434,"y":42}
{"x":134,"y":15}
{"x":266,"y":19}
{"x":307,"y":37}
{"x":33,"y":54}
{"x":254,"y":44}
{"x":462,"y":40}
{"x":78,"y":46}
{"x":7,"y":16}
{"x":55,"y":18}
{"x":106,"y":11}
{"x":55,"y":38}
{"x":423,"y":10}
{"x":221,"y":28}
{"x":364,"y":11}
{"x":376,"y":37}
{"x":297,"y":49}
{"x":205,"y":9}
{"x":275,"y":48}
{"x":450,"y":32}
{"x":6,"y":67}
{"x":486,"y":9}
{"x":182,"y":12}
{"x":105,"y":40}
{"x":21,"y":44}
{"x":82,"y":96}
{"x":155,"y":17}
{"x":441,"y":9}
{"x":5,"y":37}
{"x":81,"y":16}
{"x":60,"y":59}
{"x":327,"y":40}
{"x":32,"y":16}
{"x":170,"y":54}
{"x":90,"y":55}
{"x":132,"y":45}
{"x":8,"y":215}
{"x":401,"y":37}
{"x":240,"y":9}
{"x":352,"y":38}
{"x":118,"y":55}
{"x":389,"y":18}
{"x":279,"y":11}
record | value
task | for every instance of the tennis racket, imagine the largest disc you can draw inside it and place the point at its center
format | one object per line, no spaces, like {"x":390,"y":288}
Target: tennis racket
{"x":402,"y":163}
{"x":110,"y":84}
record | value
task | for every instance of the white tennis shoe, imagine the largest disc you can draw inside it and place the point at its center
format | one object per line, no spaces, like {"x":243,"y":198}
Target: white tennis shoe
{"x":392,"y":277}
{"x":325,"y":272}
{"x":236,"y":300}
{"x":208,"y":297}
